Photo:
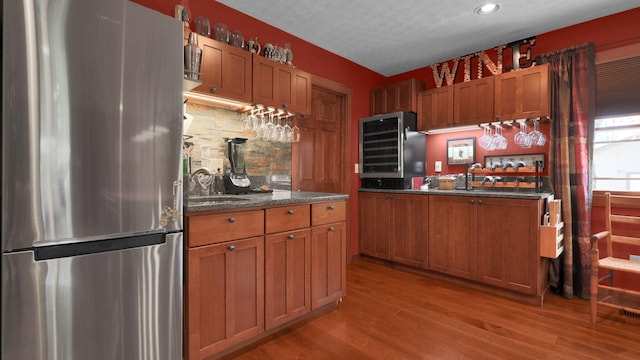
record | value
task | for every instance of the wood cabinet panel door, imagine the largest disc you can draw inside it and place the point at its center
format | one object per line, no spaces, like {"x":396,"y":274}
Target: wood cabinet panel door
{"x":226,"y":70}
{"x":225,"y":295}
{"x":301,"y":103}
{"x":508,"y":243}
{"x":287,"y":276}
{"x":379,"y":101}
{"x":523,"y":93}
{"x":435,"y":108}
{"x":473,"y":102}
{"x":328,"y":263}
{"x":409,"y":230}
{"x":452,"y":235}
{"x":374,"y":224}
{"x":281,"y":86}
{"x":316,"y":161}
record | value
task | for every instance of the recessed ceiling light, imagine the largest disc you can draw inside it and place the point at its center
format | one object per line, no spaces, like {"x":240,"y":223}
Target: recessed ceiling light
{"x":487,"y":9}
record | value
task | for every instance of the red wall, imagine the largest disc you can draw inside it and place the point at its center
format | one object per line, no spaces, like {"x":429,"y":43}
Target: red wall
{"x":607,"y":32}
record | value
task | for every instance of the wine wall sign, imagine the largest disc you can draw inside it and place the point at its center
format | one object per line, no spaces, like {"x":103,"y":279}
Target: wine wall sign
{"x":520,"y":57}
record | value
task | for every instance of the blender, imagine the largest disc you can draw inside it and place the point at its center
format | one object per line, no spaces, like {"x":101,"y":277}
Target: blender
{"x":236,"y":181}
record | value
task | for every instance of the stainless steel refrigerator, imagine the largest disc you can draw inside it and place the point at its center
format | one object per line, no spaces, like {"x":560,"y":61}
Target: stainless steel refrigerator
{"x":91,"y":191}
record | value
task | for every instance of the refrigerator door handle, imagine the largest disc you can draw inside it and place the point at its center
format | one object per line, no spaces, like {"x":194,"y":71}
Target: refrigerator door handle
{"x":98,"y":246}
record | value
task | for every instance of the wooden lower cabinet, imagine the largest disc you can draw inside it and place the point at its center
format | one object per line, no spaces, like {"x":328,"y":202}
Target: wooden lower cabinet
{"x":395,"y":227}
{"x":250,"y":272}
{"x":494,"y":241}
{"x":508,"y":244}
{"x":225,"y":295}
{"x":287,"y":276}
{"x":375,"y":225}
{"x":328,"y":263}
{"x":409,"y":230}
{"x":453,"y":235}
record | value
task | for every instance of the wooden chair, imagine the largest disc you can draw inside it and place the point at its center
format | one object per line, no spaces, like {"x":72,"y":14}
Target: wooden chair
{"x":614,"y":295}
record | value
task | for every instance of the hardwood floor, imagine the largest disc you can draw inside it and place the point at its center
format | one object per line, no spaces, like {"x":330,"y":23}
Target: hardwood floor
{"x":392,"y":314}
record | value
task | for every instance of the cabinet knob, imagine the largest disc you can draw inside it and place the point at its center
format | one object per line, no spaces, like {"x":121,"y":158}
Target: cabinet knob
{"x":285,"y":105}
{"x":214,"y":90}
{"x":290,"y":212}
{"x":480,"y":202}
{"x":331,"y":207}
{"x":472,"y":201}
{"x":290,"y":237}
{"x":232,"y":220}
{"x":231,"y":247}
{"x":332,"y":229}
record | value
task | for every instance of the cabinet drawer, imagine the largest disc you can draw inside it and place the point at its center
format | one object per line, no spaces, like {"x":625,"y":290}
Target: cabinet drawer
{"x":215,"y":228}
{"x":326,"y":213}
{"x":287,"y":218}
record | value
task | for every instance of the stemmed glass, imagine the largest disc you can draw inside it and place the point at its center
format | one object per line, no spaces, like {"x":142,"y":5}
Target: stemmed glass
{"x":537,"y":137}
{"x":498,"y":141}
{"x":522,"y":138}
{"x":485,"y":140}
{"x":276,"y":132}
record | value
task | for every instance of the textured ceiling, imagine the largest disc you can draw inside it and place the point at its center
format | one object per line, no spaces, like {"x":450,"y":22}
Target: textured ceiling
{"x":395,"y":36}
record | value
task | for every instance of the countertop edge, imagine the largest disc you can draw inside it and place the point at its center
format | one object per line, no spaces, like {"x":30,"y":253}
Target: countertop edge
{"x":475,"y":193}
{"x":264,"y":201}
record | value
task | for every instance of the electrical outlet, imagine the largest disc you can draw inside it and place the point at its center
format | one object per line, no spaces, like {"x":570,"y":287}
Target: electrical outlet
{"x":634,"y":257}
{"x":356,"y":168}
{"x":438,"y":167}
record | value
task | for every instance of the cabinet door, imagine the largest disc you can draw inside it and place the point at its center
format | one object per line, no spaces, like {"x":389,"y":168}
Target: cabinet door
{"x":406,"y":96}
{"x":435,"y":108}
{"x":225,"y":295}
{"x":473,"y":102}
{"x":281,"y":86}
{"x":508,"y":254}
{"x":328,"y":263}
{"x":287,"y":276}
{"x":523,"y":93}
{"x":301,"y":101}
{"x":401,"y":96}
{"x":379,"y":101}
{"x":409,"y":229}
{"x":374,"y":224}
{"x":226,"y":70}
{"x":452,"y":235}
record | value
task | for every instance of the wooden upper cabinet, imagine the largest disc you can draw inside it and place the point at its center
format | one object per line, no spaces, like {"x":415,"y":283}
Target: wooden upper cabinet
{"x":226,"y":70}
{"x":473,"y":102}
{"x":523,"y":93}
{"x":281,"y":86}
{"x":435,"y":108}
{"x":402,"y":96}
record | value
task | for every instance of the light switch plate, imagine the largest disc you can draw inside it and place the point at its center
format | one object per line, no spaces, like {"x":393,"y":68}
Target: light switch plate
{"x":438,"y":167}
{"x":356,"y":168}
{"x":634,"y":257}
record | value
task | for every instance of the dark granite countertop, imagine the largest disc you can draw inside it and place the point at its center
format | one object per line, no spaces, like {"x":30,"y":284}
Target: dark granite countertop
{"x":512,"y":194}
{"x":277,"y":197}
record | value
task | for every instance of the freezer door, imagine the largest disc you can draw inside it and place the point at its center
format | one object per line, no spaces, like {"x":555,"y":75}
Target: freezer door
{"x":92,"y":121}
{"x":120,"y":304}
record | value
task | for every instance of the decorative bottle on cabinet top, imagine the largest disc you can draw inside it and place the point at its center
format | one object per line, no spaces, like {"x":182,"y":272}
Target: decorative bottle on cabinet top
{"x":192,"y":57}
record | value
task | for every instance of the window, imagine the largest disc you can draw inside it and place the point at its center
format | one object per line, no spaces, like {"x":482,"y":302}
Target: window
{"x":616,"y":144}
{"x":616,"y":153}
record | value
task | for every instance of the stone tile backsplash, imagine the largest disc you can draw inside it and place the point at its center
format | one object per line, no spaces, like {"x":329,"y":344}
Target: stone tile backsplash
{"x":267,"y":163}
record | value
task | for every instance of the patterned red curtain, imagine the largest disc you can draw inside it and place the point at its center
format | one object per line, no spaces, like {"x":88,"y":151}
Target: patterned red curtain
{"x":570,"y":153}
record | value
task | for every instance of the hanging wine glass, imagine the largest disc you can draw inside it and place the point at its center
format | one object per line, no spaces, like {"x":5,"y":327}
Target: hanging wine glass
{"x":537,"y":137}
{"x":268,"y":127}
{"x":485,"y":140}
{"x":522,"y":138}
{"x":295,"y":133}
{"x":276,"y":134}
{"x":287,"y":131}
{"x":498,"y":142}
